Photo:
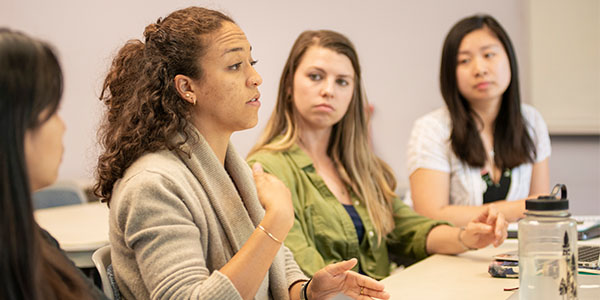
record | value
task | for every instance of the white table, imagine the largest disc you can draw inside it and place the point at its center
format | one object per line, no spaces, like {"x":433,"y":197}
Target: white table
{"x":79,"y":229}
{"x":462,"y":276}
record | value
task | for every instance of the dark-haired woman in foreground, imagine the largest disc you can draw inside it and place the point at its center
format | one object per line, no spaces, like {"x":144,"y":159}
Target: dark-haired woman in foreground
{"x":31,"y":264}
{"x":186,"y":217}
{"x":484,"y":146}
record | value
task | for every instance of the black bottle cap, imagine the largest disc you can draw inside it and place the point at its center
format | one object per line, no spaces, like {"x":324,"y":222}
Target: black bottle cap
{"x":550,"y":202}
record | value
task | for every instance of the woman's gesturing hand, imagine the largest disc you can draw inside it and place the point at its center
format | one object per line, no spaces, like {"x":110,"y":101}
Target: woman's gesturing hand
{"x":274,"y":196}
{"x":489,"y":227}
{"x":338,"y":278}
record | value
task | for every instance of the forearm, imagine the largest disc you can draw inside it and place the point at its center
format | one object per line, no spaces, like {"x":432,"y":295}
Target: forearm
{"x":460,"y":215}
{"x":255,"y":257}
{"x":295,"y":290}
{"x":443,"y":239}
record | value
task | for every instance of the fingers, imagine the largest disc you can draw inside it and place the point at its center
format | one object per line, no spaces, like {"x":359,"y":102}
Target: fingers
{"x":492,"y":214}
{"x":370,"y":294}
{"x":257,"y":169}
{"x":368,"y":282}
{"x":500,"y":230}
{"x":341,"y":267}
{"x":483,"y":216}
{"x":367,"y":287}
{"x":479,"y":228}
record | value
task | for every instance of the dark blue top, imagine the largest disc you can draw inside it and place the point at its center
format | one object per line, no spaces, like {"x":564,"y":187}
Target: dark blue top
{"x":358,"y":224}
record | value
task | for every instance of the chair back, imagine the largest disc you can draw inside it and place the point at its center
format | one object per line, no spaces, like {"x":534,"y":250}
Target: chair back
{"x":62,"y":192}
{"x":101,"y":259}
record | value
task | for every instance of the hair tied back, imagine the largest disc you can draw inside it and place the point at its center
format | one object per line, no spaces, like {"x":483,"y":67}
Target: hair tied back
{"x":152,"y":29}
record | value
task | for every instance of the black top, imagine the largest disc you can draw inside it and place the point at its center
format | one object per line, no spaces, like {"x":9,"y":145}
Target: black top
{"x":496,"y":191}
{"x":95,"y":293}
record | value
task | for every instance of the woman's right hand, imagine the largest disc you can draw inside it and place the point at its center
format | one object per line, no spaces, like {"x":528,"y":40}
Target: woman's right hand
{"x":339,"y":278}
{"x":274,"y":196}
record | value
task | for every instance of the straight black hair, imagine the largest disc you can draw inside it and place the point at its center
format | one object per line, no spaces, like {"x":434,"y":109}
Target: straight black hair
{"x":512,"y":143}
{"x":31,"y":82}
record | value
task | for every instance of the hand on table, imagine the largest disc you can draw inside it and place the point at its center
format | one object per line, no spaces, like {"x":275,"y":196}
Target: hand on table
{"x":338,"y":278}
{"x":487,"y":228}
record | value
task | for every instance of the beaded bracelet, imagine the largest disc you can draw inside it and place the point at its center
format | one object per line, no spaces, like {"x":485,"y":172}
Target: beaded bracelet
{"x":269,"y":234}
{"x":461,"y":241}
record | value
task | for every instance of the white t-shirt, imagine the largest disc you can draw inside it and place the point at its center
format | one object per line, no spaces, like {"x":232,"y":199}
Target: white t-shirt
{"x":429,"y":148}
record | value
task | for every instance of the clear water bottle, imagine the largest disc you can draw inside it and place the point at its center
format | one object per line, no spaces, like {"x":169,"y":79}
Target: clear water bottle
{"x":548,"y":248}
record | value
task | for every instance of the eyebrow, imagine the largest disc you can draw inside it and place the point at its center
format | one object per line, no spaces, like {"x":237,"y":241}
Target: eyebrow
{"x":236,"y":49}
{"x":482,"y":48}
{"x":323,"y":71}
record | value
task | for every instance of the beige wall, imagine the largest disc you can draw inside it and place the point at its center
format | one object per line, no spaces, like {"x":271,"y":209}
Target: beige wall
{"x":398,"y":43}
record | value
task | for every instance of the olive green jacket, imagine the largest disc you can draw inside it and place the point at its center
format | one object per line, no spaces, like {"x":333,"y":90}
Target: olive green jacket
{"x":323,"y":232}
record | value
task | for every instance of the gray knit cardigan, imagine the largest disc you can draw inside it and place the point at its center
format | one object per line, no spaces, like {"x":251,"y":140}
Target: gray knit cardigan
{"x":175,"y":220}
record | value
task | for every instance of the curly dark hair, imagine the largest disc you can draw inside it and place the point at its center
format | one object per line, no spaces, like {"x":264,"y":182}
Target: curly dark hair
{"x":144,"y":110}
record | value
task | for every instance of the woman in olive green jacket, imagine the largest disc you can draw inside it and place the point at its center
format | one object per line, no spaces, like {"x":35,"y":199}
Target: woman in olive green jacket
{"x":317,"y":143}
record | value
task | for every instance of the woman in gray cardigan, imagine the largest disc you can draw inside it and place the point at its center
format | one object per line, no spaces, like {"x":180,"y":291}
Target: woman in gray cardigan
{"x":188,"y":219}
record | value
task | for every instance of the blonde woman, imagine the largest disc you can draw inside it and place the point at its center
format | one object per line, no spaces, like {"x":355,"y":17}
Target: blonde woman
{"x":316,"y":142}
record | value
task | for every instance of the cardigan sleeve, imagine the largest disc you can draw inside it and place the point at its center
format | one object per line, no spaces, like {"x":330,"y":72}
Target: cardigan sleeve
{"x":293,"y":273}
{"x":157,"y":225}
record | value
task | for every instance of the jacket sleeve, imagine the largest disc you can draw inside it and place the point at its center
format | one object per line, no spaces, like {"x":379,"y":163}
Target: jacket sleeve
{"x":409,"y":237}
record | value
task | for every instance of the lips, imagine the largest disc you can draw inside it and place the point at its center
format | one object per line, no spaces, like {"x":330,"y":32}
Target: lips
{"x":483,"y":85}
{"x":324,"y":106}
{"x":254,"y":99}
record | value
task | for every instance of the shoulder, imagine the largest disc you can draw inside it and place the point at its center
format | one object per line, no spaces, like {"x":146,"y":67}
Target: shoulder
{"x":438,"y":119}
{"x":283,"y":164}
{"x":435,"y":125}
{"x":164,"y":163}
{"x":272,"y":161}
{"x":157,"y":175}
{"x":531,"y":115}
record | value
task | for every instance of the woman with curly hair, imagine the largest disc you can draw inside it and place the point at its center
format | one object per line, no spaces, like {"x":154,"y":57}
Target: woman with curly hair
{"x":32,"y":266}
{"x":186,"y":216}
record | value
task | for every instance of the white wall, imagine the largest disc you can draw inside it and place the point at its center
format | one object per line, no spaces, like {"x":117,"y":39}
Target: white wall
{"x":399,"y":44}
{"x":567,"y":34}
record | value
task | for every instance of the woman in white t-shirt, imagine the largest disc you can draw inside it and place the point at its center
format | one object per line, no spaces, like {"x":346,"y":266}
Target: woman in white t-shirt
{"x":484,"y":146}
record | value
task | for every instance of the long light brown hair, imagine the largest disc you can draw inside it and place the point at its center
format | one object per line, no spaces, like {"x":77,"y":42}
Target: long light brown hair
{"x":144,"y":111}
{"x":369,"y":177}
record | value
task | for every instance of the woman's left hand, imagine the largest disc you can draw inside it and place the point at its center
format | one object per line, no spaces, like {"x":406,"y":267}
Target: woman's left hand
{"x":490,"y":227}
{"x":338,"y":278}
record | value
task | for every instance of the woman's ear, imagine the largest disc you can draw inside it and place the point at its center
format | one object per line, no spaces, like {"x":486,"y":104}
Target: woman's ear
{"x":183,"y":85}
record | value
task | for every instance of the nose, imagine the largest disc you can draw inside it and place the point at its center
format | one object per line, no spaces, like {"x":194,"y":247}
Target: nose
{"x":254,"y":79}
{"x":327,"y":88}
{"x":479,"y":67}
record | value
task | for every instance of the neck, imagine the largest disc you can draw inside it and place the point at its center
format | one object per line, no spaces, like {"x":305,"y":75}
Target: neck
{"x":217,"y":139}
{"x":314,"y":142}
{"x":487,"y":111}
